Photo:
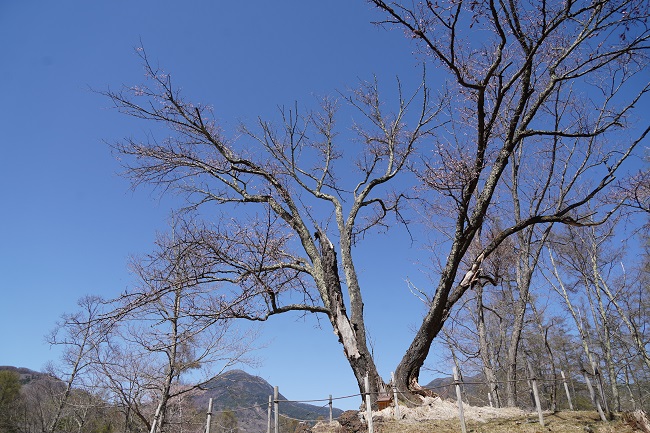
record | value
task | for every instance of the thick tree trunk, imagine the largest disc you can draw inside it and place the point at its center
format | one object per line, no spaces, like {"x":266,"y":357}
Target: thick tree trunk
{"x":351,"y":335}
{"x":408,"y":371}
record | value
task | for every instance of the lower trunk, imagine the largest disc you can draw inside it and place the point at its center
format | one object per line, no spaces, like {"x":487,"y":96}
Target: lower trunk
{"x":493,"y":387}
{"x":351,"y":334}
{"x":607,"y":346}
{"x":159,"y":424}
{"x":524,"y":275}
{"x":635,"y":406}
{"x":553,"y":385}
{"x":407,"y":372}
{"x":513,"y":349}
{"x":358,"y":355}
{"x":485,"y":351}
{"x":365,"y":366}
{"x":511,"y":384}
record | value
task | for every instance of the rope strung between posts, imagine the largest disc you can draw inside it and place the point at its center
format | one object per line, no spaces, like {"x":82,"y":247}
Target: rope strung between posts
{"x":298,"y":419}
{"x":320,"y":399}
{"x":463,"y":382}
{"x":240,"y":408}
{"x":406,"y":395}
{"x":402,"y":393}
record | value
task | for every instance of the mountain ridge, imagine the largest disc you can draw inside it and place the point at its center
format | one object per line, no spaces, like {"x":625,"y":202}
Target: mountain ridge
{"x":247,"y":397}
{"x":26,"y":374}
{"x":239,"y":400}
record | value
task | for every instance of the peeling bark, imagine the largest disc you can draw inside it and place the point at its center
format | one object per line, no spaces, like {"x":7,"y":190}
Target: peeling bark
{"x":355,"y":349}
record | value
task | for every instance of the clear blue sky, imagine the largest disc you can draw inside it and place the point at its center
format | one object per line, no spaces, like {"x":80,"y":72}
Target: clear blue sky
{"x":68,"y":222}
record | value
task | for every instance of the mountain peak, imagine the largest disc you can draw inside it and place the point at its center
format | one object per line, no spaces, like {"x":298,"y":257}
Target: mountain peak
{"x":247,"y":396}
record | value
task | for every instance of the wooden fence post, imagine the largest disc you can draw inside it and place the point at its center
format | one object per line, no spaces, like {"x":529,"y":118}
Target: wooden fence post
{"x":276,"y":408}
{"x":459,"y":399}
{"x":533,"y":379}
{"x":208,"y":421}
{"x":566,"y":388}
{"x":368,"y":404}
{"x":268,"y":419}
{"x":395,"y":401}
{"x":330,"y":403}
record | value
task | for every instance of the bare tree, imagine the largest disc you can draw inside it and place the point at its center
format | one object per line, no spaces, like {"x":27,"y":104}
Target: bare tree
{"x":162,"y":334}
{"x":594,"y":262}
{"x":277,"y":244}
{"x":126,"y":377}
{"x":636,"y":189}
{"x":547,"y":76}
{"x":552,"y":76}
{"x":79,"y":334}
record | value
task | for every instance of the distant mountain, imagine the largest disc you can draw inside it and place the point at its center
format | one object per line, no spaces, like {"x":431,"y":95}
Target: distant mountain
{"x":247,"y":397}
{"x":26,"y":375}
{"x":234,"y":393}
{"x":473,"y":392}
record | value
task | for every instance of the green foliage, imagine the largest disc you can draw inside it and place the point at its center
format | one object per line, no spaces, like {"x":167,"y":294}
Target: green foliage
{"x":9,"y":387}
{"x":288,"y":424}
{"x":227,"y":422}
{"x":9,"y":400}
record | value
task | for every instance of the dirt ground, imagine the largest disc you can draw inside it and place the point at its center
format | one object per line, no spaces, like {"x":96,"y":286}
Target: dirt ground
{"x":441,"y":416}
{"x":439,"y":409}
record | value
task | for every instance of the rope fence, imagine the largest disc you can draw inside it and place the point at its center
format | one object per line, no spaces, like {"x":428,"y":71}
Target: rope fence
{"x":596,"y":394}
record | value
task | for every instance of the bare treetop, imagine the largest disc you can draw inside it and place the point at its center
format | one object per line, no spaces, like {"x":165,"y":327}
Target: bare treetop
{"x":534,"y":119}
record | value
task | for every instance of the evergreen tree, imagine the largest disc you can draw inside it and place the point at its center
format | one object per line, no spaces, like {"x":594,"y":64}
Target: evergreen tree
{"x":9,"y":400}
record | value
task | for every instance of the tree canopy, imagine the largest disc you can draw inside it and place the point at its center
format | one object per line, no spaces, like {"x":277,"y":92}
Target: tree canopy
{"x":532,"y":121}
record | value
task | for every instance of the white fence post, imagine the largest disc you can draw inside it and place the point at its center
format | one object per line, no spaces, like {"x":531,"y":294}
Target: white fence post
{"x":368,"y":404}
{"x":533,"y":379}
{"x":208,"y":421}
{"x":459,"y":399}
{"x":268,"y":419}
{"x":330,"y":403}
{"x":395,"y":401}
{"x":276,"y":407}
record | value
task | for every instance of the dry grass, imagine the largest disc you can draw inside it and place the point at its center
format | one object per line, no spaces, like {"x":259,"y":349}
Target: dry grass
{"x":561,"y":422}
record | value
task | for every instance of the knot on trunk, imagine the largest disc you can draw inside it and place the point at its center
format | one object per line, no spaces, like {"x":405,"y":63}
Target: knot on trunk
{"x":415,"y":388}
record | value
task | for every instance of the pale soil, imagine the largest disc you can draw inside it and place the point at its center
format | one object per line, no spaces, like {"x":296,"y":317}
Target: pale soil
{"x":441,"y":416}
{"x":437,"y":408}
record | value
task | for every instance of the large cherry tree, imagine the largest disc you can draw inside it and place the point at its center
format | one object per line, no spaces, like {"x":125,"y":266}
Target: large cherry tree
{"x":547,"y":88}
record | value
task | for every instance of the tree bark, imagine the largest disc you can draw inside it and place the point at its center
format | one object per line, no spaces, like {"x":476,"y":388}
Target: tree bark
{"x":485,"y":350}
{"x":351,"y":335}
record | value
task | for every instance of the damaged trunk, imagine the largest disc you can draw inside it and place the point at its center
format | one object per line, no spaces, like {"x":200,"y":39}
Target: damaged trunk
{"x":350,"y":332}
